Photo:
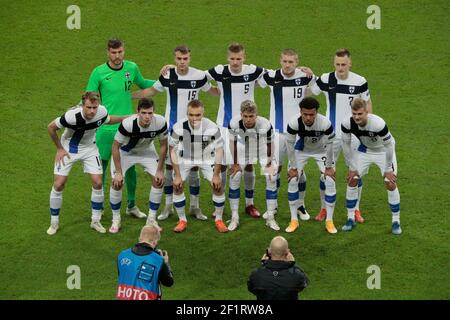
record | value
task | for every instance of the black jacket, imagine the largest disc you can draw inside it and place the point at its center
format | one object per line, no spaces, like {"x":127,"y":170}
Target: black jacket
{"x":277,"y":280}
{"x":165,"y":274}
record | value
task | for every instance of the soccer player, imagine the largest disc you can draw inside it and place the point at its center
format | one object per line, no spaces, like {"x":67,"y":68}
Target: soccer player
{"x":77,"y":143}
{"x":133,"y":144}
{"x":113,"y":80}
{"x":251,"y":140}
{"x":182,"y":84}
{"x":287,"y":89}
{"x":196,"y":142}
{"x":376,"y":145}
{"x":236,"y":82}
{"x":311,"y":136}
{"x":340,"y":88}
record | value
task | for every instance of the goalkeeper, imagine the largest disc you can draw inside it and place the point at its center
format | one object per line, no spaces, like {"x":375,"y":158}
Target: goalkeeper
{"x":113,"y":80}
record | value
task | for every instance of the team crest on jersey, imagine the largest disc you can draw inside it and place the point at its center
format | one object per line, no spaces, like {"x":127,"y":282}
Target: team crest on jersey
{"x":298,"y":81}
{"x":193,"y":83}
{"x":246,"y":77}
{"x":99,"y":123}
{"x":371,"y":134}
{"x":351,"y":89}
{"x":152,"y":134}
{"x":127,"y":75}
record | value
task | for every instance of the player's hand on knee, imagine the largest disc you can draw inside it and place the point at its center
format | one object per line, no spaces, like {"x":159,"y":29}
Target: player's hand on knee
{"x":390,"y":177}
{"x":216,"y":183}
{"x":352,"y":176}
{"x":292,"y":173}
{"x":177,"y":183}
{"x":117,"y":181}
{"x":234,"y":168}
{"x":159,"y":179}
{"x":330,"y":172}
{"x":60,"y":154}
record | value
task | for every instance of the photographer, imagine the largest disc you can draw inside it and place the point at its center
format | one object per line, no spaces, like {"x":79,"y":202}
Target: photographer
{"x":143,"y":268}
{"x":279,"y":278}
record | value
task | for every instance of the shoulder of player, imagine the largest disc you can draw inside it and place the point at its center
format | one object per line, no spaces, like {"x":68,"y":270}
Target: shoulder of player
{"x":251,"y":68}
{"x":263,"y":123}
{"x":376,"y":122}
{"x":346,"y":122}
{"x":127,"y":123}
{"x":293,"y":123}
{"x":234,"y":122}
{"x":159,"y":120}
{"x":130,"y":64}
{"x":356,"y":78}
{"x":102,"y":111}
{"x":70,"y":115}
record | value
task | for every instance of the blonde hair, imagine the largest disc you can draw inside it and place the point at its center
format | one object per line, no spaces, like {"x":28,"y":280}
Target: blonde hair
{"x":358,"y":103}
{"x":149,"y":234}
{"x":249,"y":106}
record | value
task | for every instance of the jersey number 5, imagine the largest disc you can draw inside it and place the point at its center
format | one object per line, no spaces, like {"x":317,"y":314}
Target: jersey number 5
{"x":246,"y":88}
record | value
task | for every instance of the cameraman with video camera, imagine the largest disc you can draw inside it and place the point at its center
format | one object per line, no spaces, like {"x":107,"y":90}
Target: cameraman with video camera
{"x":279,"y":278}
{"x":143,"y":268}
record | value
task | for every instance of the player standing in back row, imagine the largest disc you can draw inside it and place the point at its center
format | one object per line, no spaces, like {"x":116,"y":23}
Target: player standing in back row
{"x":236,"y":82}
{"x":287,"y":89}
{"x":340,"y":88}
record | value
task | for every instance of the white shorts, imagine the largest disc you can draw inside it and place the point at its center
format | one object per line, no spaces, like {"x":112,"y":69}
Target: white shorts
{"x":206,"y":169}
{"x":90,"y":159}
{"x":337,"y":147}
{"x":148,"y":160}
{"x":227,"y":157}
{"x":303,"y":157}
{"x":364,"y":160}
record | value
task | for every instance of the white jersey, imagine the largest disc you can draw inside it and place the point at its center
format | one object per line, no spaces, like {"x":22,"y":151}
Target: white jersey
{"x":311,"y":139}
{"x":180,"y":90}
{"x":373,"y":137}
{"x":197,"y":145}
{"x":286,"y":93}
{"x":138,"y":140}
{"x":79,"y":133}
{"x":234,"y":89}
{"x":251,"y":141}
{"x":340,"y":94}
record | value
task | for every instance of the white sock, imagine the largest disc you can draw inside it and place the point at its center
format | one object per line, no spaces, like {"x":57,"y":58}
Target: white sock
{"x":360,"y":186}
{"x":179,"y":202}
{"x":351,"y":199}
{"x":55,"y":205}
{"x":394,"y":203}
{"x":249,"y":183}
{"x":301,"y":189}
{"x":97,"y":198}
{"x":154,"y":202}
{"x":293,"y":197}
{"x":194,"y":188}
{"x":322,"y":192}
{"x":115,"y":201}
{"x":219,"y":202}
{"x":330,"y":196}
{"x":234,"y":194}
{"x":223,"y":176}
{"x":168,"y":187}
{"x":271,"y":193}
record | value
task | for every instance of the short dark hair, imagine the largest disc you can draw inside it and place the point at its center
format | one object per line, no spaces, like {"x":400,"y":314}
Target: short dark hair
{"x":92,"y":96}
{"x":342,"y":53}
{"x":309,"y":103}
{"x":145,"y":103}
{"x":195,"y":104}
{"x":236,"y":47}
{"x":115,"y":43}
{"x":184,"y":49}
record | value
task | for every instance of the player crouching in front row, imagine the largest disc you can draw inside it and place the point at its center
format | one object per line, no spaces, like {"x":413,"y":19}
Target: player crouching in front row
{"x":377,"y":146}
{"x":77,"y":143}
{"x":133,"y":144}
{"x":251,"y":140}
{"x":196,"y":142}
{"x":315,"y":140}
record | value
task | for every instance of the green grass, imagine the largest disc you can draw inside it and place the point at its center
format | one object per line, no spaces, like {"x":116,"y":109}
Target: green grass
{"x":46,"y":67}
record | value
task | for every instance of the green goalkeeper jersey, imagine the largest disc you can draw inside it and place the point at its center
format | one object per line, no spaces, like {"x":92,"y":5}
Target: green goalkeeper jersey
{"x":114,"y":86}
